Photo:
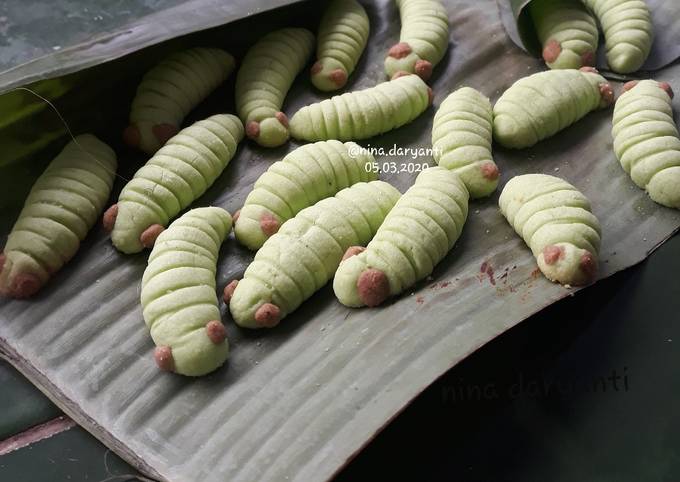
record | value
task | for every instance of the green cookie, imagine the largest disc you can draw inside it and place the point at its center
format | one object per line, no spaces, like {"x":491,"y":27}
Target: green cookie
{"x":646,"y":139}
{"x":364,"y":113}
{"x":178,"y":296}
{"x":302,"y":257}
{"x":567,"y":31}
{"x":556,"y":222}
{"x":64,"y":203}
{"x":423,"y":40}
{"x":628,"y":32}
{"x":343,"y":34}
{"x":302,"y":178}
{"x":540,"y":105}
{"x":268,"y":70}
{"x":416,"y":235}
{"x":461,"y":140}
{"x":171,"y":180}
{"x":170,"y":90}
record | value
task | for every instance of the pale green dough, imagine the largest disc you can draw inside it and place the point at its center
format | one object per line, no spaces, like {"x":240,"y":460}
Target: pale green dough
{"x":540,"y":105}
{"x":302,"y":257}
{"x":628,"y":32}
{"x":423,"y":40}
{"x":343,"y":33}
{"x":461,"y":140}
{"x":416,"y":235}
{"x":364,"y":113}
{"x":556,"y":222}
{"x":174,"y":177}
{"x":178,"y":292}
{"x":646,"y":141}
{"x":567,"y":32}
{"x":170,"y":90}
{"x":64,"y":203}
{"x":302,"y":178}
{"x":266,"y":74}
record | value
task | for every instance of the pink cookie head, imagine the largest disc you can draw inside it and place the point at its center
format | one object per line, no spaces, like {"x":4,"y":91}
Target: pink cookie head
{"x":253,"y":129}
{"x":590,"y":69}
{"x":338,"y":77}
{"x":164,"y":359}
{"x":630,"y":84}
{"x":373,"y":287}
{"x":667,"y":87}
{"x":163,"y":132}
{"x":423,"y":69}
{"x":216,"y":331}
{"x":552,"y":253}
{"x":235,"y":216}
{"x":588,"y":59}
{"x":353,"y":251}
{"x":490,"y":171}
{"x":588,"y":265}
{"x":229,"y":291}
{"x":131,"y":136}
{"x":149,"y":235}
{"x":282,"y":118}
{"x":551,"y":51}
{"x":109,"y":219}
{"x":607,"y":93}
{"x":316,"y":68}
{"x":269,"y":224}
{"x":268,"y":315}
{"x":400,"y":50}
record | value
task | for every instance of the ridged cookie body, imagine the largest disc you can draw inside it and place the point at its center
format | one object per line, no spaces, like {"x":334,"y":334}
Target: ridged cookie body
{"x":415,"y":236}
{"x":266,"y":74}
{"x":461,"y":140}
{"x":364,"y":113}
{"x":646,"y":140}
{"x":567,"y":32}
{"x":302,"y":178}
{"x":170,"y":90}
{"x":172,"y":179}
{"x":423,"y":40}
{"x":628,"y":32}
{"x":64,"y":203}
{"x":178,"y":295}
{"x":556,"y":222}
{"x":303,"y":256}
{"x":540,"y":105}
{"x":342,"y":37}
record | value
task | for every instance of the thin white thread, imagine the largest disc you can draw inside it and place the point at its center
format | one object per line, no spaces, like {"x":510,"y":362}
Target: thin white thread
{"x":68,"y":130}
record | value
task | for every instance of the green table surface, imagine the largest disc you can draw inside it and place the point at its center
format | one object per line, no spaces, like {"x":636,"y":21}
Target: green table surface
{"x":586,"y":390}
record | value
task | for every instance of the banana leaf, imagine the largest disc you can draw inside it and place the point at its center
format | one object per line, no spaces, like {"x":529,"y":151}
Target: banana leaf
{"x":298,"y":401}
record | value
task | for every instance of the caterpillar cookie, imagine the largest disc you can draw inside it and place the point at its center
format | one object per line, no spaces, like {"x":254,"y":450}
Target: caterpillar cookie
{"x":628,"y":32}
{"x":646,"y":139}
{"x":343,"y":34}
{"x":423,"y":40}
{"x":461,"y":140}
{"x":302,"y":178}
{"x":416,"y":235}
{"x":567,"y":32}
{"x":170,"y":90}
{"x":304,"y":254}
{"x":262,"y":82}
{"x":178,"y":295}
{"x":64,"y":203}
{"x":364,"y":113}
{"x":556,"y":222}
{"x":538,"y":106}
{"x":181,"y":171}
